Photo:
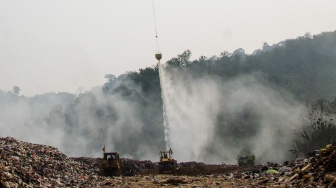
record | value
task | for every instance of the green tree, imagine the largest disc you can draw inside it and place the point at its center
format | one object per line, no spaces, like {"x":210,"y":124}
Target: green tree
{"x":319,"y":128}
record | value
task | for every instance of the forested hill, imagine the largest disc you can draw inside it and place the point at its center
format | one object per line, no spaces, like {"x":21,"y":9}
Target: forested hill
{"x":304,"y":66}
{"x":217,"y":106}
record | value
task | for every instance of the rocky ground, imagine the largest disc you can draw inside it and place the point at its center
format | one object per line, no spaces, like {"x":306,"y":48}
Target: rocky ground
{"x":25,"y":164}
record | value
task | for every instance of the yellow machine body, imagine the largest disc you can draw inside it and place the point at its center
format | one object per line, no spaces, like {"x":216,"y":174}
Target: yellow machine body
{"x":166,"y":162}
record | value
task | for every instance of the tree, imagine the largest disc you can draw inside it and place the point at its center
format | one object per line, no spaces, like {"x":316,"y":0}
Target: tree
{"x":319,"y":129}
{"x":266,"y":47}
{"x":16,"y":90}
{"x":182,"y":60}
{"x":239,"y":52}
{"x":110,"y":77}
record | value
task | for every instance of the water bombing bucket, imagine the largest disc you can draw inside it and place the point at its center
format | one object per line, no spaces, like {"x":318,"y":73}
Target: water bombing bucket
{"x":158,"y":56}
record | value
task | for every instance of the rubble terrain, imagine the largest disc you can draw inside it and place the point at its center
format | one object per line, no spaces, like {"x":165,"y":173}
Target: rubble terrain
{"x":25,"y":164}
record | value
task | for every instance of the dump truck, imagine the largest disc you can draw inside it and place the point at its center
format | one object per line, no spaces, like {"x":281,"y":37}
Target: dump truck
{"x":247,"y":160}
{"x":167,"y":163}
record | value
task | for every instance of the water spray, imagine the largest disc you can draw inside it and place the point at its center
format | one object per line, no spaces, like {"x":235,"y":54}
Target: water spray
{"x":164,"y":111}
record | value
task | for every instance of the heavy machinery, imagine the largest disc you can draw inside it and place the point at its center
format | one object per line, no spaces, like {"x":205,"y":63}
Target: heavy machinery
{"x":111,"y":164}
{"x":247,"y":160}
{"x":166,"y":162}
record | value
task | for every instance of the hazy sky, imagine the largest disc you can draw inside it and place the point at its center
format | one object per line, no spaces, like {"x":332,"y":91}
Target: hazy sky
{"x":61,"y":45}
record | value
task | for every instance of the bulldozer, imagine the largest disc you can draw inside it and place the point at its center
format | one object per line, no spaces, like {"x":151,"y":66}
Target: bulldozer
{"x":167,"y":163}
{"x":111,"y":164}
{"x":247,"y":160}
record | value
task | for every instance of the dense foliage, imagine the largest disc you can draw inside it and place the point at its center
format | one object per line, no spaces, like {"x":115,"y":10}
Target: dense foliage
{"x":319,"y":128}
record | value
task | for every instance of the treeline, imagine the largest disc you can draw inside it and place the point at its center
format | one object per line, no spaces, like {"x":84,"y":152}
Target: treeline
{"x":304,"y":66}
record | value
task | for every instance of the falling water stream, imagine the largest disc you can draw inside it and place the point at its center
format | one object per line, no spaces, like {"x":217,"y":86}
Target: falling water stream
{"x":164,"y":104}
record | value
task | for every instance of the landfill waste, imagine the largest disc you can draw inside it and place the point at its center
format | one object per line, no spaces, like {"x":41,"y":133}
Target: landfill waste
{"x":271,"y":171}
{"x":24,"y":164}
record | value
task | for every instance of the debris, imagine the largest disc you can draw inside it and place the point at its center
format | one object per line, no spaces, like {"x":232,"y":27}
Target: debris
{"x":271,"y":171}
{"x":25,"y":164}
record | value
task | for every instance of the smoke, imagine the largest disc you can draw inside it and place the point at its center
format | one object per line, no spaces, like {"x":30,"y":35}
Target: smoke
{"x":78,"y":127}
{"x":207,"y":115}
{"x":25,"y":118}
{"x":101,"y":128}
{"x":115,"y":120}
{"x":190,"y":112}
{"x":209,"y":119}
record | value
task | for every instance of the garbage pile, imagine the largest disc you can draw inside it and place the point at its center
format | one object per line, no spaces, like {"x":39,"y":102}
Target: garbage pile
{"x":317,"y":170}
{"x":135,"y":165}
{"x":25,"y":164}
{"x":138,"y":166}
{"x":93,"y":162}
{"x":190,"y":164}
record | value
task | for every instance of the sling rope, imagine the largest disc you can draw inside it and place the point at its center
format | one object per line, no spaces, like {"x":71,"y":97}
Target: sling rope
{"x":156,"y":35}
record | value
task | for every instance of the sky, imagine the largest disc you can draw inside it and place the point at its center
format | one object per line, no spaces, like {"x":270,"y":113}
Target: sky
{"x":61,"y":46}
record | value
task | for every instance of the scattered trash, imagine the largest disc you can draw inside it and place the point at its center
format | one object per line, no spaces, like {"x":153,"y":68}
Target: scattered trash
{"x":25,"y":164}
{"x":271,"y":171}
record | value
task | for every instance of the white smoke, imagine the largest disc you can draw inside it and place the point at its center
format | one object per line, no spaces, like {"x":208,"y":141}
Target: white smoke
{"x":25,"y":118}
{"x":84,"y":132}
{"x":194,"y":131}
{"x":193,"y":105}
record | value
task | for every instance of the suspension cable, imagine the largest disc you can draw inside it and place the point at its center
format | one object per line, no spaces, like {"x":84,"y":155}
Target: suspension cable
{"x":156,"y":35}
